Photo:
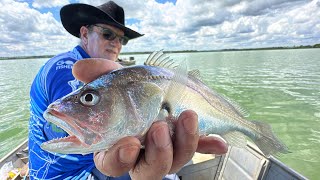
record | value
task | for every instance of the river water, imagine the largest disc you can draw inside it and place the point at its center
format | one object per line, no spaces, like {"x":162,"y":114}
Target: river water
{"x":280,"y":87}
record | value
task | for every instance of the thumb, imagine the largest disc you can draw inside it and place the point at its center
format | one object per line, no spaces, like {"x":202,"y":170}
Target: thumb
{"x":87,"y":70}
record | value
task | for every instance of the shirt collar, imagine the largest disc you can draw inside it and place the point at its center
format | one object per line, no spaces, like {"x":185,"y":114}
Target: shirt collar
{"x":83,"y":53}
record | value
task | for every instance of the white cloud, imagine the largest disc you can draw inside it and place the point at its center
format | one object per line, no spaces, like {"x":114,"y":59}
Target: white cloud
{"x":187,"y":24}
{"x":260,"y":7}
{"x":223,"y":24}
{"x":278,"y":27}
{"x":49,"y":3}
{"x":26,"y":31}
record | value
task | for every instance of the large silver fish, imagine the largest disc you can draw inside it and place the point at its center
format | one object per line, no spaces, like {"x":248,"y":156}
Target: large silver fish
{"x":125,"y":102}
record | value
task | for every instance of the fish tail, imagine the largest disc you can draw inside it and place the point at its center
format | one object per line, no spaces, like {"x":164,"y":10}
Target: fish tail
{"x":267,"y":141}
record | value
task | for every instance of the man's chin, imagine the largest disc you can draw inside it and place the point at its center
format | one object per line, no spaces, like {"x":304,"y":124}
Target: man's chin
{"x":111,"y":57}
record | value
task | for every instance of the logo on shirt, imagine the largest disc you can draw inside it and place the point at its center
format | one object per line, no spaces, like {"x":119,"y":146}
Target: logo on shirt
{"x":64,"y":64}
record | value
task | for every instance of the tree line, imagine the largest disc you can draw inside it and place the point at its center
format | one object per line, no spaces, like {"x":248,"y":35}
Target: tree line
{"x":180,"y":51}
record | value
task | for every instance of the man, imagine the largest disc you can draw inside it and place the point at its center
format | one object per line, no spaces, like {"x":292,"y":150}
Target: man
{"x":102,"y":33}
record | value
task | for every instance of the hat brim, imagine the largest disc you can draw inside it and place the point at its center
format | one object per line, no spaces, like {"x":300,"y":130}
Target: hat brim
{"x":73,"y":16}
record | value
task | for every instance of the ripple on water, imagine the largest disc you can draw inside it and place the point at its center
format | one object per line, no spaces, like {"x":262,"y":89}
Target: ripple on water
{"x":273,"y":107}
{"x":317,"y":114}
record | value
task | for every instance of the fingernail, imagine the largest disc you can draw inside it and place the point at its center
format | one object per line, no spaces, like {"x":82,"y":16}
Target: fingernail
{"x":190,"y":126}
{"x":128,"y":154}
{"x":161,"y":137}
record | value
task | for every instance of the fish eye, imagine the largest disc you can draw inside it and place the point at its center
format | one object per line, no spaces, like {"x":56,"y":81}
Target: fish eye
{"x":89,"y":98}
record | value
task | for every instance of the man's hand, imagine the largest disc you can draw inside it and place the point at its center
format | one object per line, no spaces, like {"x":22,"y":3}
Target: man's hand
{"x":161,"y":155}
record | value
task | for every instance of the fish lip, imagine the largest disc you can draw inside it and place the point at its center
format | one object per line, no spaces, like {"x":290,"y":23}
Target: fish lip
{"x":64,"y":122}
{"x":71,"y":126}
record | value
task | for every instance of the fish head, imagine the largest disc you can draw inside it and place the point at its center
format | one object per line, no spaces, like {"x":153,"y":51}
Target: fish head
{"x":100,"y":113}
{"x":84,"y":114}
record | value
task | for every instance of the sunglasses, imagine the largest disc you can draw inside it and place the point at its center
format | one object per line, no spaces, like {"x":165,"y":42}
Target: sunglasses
{"x":110,"y":35}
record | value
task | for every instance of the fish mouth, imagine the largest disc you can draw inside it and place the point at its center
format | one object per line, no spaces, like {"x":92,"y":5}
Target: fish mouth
{"x":75,"y":130}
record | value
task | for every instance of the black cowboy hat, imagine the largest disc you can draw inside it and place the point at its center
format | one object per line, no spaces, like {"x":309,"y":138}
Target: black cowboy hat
{"x":73,"y":16}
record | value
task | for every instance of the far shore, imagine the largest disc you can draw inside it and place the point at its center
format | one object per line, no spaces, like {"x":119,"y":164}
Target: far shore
{"x":182,"y":51}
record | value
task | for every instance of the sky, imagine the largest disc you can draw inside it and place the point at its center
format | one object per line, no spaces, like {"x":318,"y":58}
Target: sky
{"x":34,"y":27}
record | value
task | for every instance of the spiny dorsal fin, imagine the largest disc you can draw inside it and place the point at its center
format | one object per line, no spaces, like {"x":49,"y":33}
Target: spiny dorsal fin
{"x":158,"y":58}
{"x":175,"y":92}
{"x":195,"y":73}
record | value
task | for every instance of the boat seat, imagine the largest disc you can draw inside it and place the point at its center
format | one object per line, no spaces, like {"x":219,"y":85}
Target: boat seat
{"x":243,"y":163}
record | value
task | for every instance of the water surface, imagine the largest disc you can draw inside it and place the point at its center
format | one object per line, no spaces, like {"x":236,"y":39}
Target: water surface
{"x":280,"y":87}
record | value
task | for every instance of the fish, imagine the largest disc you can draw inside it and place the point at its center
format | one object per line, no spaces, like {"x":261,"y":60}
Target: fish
{"x":126,"y":101}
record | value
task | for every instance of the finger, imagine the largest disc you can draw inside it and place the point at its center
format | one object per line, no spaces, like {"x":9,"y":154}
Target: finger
{"x":212,"y":145}
{"x":158,"y":156}
{"x":120,"y":158}
{"x":185,"y":140}
{"x":88,"y":70}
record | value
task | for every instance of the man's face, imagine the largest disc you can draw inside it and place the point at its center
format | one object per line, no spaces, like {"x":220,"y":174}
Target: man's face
{"x":97,"y":46}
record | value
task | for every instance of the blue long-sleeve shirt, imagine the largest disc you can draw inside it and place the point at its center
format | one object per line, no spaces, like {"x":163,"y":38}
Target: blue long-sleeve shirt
{"x":53,"y":81}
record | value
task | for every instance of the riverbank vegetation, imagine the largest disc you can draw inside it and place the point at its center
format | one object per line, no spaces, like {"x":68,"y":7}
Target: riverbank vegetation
{"x":242,"y":49}
{"x":182,"y":51}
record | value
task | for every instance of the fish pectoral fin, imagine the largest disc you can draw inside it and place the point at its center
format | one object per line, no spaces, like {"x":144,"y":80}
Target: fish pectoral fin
{"x":176,"y":91}
{"x":236,"y":138}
